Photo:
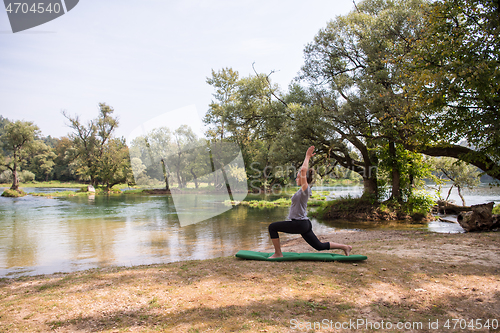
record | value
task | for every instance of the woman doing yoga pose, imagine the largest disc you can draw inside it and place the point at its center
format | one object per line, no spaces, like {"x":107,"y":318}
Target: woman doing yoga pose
{"x":298,"y":223}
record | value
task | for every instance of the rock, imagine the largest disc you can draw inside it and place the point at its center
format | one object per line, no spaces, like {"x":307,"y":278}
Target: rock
{"x":479,"y":219}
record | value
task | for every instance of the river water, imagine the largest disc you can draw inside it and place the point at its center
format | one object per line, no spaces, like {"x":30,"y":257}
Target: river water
{"x":42,"y":236}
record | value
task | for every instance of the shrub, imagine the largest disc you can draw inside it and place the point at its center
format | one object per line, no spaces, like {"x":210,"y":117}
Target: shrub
{"x":6,"y":177}
{"x":496,"y":209}
{"x":26,"y":176}
{"x":420,"y":202}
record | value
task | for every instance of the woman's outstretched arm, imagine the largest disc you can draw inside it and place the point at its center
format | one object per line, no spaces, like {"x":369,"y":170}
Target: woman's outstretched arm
{"x":305,"y":166}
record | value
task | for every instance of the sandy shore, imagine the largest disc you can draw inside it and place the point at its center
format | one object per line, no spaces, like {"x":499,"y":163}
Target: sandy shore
{"x":413,"y":280}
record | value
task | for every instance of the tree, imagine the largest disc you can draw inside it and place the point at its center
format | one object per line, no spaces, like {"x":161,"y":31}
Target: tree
{"x":18,"y":140}
{"x":225,"y":84}
{"x":90,"y":141}
{"x":114,"y":163}
{"x":148,"y":154}
{"x":64,"y":150}
{"x":360,"y":93}
{"x":97,"y":154}
{"x":245,"y":112}
{"x":166,"y":156}
{"x":42,"y":160}
{"x":454,"y":67}
{"x":184,"y":142}
{"x":458,"y":172}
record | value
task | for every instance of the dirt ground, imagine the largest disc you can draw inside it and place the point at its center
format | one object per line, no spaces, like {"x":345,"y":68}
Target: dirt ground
{"x":412,"y":281}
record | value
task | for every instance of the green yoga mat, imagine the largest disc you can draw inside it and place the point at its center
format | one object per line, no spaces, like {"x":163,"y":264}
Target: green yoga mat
{"x":290,"y":256}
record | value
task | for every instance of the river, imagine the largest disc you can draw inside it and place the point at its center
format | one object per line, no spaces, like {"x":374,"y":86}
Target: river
{"x":42,"y":236}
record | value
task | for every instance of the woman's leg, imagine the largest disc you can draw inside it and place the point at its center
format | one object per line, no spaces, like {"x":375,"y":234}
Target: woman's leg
{"x":313,"y":240}
{"x":277,"y":248}
{"x":291,"y":227}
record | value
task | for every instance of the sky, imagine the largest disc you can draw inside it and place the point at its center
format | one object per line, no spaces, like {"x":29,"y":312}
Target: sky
{"x":149,"y":59}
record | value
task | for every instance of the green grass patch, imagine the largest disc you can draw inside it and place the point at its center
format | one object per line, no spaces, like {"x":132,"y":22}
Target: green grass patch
{"x":52,"y":183}
{"x":13,"y":193}
{"x":58,"y":194}
{"x":318,"y":197}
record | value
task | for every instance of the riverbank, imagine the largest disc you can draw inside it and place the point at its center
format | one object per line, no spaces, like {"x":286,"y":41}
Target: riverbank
{"x":413,"y":277}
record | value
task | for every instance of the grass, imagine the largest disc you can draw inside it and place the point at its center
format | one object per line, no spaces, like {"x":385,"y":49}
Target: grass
{"x":232,"y":295}
{"x":52,"y":183}
{"x":13,"y":193}
{"x":318,"y":197}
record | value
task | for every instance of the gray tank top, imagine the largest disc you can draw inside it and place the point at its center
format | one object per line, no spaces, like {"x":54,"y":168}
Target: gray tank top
{"x":299,"y":204}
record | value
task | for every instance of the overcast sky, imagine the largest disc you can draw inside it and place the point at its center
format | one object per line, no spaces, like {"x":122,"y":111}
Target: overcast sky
{"x":149,"y":59}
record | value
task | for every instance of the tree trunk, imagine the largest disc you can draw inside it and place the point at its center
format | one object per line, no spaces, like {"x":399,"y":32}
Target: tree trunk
{"x":460,"y":195}
{"x":479,"y":219}
{"x":15,"y":178}
{"x":165,"y":176}
{"x":194,"y":178}
{"x":445,"y":207}
{"x":15,"y":181}
{"x":370,"y":186}
{"x":396,"y":179}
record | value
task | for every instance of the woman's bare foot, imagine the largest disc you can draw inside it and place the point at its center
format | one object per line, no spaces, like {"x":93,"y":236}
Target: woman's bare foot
{"x":276,"y":256}
{"x":346,"y":248}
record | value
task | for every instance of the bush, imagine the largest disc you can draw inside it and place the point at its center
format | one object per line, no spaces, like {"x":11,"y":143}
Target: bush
{"x":420,"y":202}
{"x":26,"y":176}
{"x":6,"y":177}
{"x":496,"y":209}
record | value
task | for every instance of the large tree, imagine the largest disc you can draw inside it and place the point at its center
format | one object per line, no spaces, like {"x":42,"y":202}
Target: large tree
{"x":97,"y":155}
{"x":360,"y":94}
{"x":454,"y":69}
{"x":42,"y":160}
{"x":246,"y":113}
{"x":18,"y":139}
{"x":114,"y":164}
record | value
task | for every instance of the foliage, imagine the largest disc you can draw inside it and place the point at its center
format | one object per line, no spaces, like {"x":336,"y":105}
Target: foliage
{"x":359,"y":91}
{"x":18,"y":140}
{"x":245,"y":113}
{"x":413,"y":169}
{"x":114,"y":164}
{"x":171,"y":157}
{"x":496,"y":209}
{"x":460,"y":174}
{"x":63,"y":168}
{"x":96,"y":155}
{"x":338,"y":207}
{"x":420,"y":202}
{"x":6,"y":177}
{"x":454,"y":71}
{"x":41,"y":161}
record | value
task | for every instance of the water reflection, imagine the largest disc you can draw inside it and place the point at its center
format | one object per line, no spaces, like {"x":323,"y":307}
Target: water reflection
{"x":40,"y":235}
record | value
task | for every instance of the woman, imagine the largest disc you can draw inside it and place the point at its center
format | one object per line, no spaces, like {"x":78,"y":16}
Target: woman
{"x":298,"y":223}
